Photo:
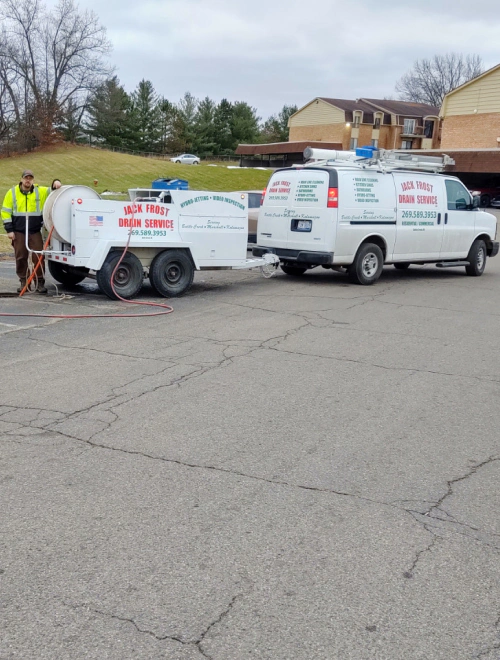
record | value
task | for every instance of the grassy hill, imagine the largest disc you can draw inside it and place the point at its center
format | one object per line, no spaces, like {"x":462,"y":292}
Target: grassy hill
{"x":117,"y":172}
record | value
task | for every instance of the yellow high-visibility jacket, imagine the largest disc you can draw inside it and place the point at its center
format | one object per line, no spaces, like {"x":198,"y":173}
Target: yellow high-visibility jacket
{"x":17,"y":205}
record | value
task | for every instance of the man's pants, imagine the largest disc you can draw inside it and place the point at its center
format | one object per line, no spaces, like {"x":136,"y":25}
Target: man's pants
{"x":35,"y":242}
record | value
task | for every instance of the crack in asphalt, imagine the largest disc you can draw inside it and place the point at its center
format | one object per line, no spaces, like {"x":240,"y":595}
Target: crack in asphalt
{"x":189,"y":642}
{"x":426,"y":519}
{"x":386,"y":368}
{"x":452,"y":482}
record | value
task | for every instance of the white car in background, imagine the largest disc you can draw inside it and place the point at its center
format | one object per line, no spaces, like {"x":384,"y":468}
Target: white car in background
{"x":186,"y":159}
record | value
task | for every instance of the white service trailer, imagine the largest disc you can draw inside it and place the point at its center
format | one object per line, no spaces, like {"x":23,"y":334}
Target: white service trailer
{"x":166,"y":239}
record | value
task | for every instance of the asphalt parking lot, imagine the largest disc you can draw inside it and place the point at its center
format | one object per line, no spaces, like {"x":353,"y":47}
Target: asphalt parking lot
{"x":293,"y":468}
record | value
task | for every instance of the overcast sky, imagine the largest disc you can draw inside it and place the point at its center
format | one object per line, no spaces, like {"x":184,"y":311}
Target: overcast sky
{"x":271,"y":53}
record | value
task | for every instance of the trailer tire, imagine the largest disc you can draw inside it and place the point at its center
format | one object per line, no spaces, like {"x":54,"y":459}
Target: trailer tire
{"x":367,"y":265}
{"x":477,"y":259}
{"x":293,"y":270}
{"x":128,"y":278}
{"x":171,"y":273}
{"x":485,"y":200}
{"x":65,"y":274}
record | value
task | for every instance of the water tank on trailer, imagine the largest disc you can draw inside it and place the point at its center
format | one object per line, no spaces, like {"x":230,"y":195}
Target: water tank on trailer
{"x":57,"y":209}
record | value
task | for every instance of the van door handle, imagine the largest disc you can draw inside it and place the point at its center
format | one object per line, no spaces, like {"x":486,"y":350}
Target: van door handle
{"x":445,"y":218}
{"x":439,"y":218}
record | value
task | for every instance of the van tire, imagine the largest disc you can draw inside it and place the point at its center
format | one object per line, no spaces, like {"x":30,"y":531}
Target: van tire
{"x":402,"y":266}
{"x":367,"y":265}
{"x":171,"y":273}
{"x":293,"y":270}
{"x":477,"y":259}
{"x":128,"y":278}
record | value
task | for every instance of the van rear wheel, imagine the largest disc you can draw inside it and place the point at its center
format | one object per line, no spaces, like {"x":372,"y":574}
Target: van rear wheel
{"x":367,"y":265}
{"x":476,"y":259}
{"x":293,"y":270}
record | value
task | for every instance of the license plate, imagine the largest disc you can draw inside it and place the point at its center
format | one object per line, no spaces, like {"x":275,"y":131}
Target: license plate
{"x":304,"y":225}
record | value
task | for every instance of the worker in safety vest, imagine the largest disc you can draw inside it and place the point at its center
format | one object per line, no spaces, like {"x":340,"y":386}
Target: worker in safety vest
{"x":24,"y":203}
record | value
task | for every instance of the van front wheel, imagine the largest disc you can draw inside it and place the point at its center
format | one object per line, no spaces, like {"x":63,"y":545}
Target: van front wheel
{"x":293,"y":270}
{"x":367,"y":265}
{"x":476,"y":259}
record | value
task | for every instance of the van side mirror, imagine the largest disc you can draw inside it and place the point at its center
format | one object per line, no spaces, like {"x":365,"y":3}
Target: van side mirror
{"x":476,"y":201}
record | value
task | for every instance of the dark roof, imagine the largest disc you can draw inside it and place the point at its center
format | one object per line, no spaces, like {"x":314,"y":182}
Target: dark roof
{"x":346,"y":104}
{"x":349,"y":107}
{"x":284,"y":147}
{"x":405,"y":108}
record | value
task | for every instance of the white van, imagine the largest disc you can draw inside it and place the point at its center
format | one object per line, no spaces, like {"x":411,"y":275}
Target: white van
{"x":356,"y":213}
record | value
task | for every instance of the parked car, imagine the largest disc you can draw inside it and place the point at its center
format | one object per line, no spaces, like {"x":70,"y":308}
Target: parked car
{"x":495,"y":202}
{"x":487,"y":194}
{"x":254,"y":197}
{"x":186,"y":159}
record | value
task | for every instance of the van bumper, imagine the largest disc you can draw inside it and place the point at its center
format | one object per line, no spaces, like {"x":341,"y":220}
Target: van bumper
{"x":302,"y":256}
{"x":494,"y":249}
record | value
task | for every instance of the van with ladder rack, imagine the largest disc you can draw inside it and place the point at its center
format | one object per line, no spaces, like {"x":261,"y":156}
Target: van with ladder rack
{"x":356,"y":211}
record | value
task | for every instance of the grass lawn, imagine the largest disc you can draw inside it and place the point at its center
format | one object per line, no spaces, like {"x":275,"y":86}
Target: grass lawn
{"x":118,"y":172}
{"x":115,"y":172}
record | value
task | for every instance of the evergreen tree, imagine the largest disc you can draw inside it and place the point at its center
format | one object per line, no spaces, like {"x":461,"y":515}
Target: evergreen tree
{"x":275,"y":129}
{"x":71,"y":122}
{"x":244,"y":125}
{"x":184,"y":121}
{"x":145,"y":118}
{"x":222,"y":125}
{"x":167,"y":113}
{"x":204,"y":126}
{"x":109,"y":113}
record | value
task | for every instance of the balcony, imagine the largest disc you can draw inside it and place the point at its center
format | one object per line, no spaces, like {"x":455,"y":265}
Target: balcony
{"x":411,"y":130}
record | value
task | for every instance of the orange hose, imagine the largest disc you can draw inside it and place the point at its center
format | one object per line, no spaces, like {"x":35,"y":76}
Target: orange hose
{"x":40,"y":257}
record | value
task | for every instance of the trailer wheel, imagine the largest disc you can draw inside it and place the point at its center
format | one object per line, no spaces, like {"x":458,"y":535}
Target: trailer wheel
{"x":476,"y":259}
{"x":128,"y":278}
{"x":485,"y":200}
{"x":65,"y":274}
{"x":171,"y":273}
{"x":367,"y":265}
{"x":293,"y":270}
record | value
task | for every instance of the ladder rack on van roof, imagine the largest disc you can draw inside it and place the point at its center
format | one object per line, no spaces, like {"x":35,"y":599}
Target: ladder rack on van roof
{"x":380,"y":159}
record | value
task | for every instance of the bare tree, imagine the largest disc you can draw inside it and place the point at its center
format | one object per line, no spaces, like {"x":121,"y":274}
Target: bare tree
{"x":49,"y":61}
{"x":430,"y":80}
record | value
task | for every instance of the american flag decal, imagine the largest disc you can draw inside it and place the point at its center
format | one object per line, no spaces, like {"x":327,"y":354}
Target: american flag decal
{"x":96,"y":220}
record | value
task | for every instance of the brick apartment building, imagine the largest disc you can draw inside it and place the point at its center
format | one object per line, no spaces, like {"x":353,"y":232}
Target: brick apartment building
{"x":380,"y":123}
{"x":471,"y":113}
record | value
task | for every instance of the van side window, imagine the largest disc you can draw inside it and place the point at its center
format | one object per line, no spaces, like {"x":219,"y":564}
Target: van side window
{"x":458,"y":196}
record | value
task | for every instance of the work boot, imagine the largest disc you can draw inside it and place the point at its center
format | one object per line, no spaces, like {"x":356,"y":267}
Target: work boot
{"x":23,"y":284}
{"x":41,"y":288}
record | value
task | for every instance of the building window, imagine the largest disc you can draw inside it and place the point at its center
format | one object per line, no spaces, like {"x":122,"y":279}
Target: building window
{"x":409,"y":127}
{"x":375,"y":144}
{"x":406,"y":144}
{"x":356,"y":121}
{"x":428,"y":128}
{"x":354,"y":143}
{"x":376,"y":123}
